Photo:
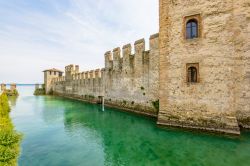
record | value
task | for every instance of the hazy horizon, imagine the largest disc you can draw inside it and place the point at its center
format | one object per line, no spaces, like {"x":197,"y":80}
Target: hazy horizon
{"x":41,"y":34}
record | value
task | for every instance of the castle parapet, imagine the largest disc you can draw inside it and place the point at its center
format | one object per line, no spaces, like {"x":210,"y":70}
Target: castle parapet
{"x":125,"y":61}
{"x":103,"y":70}
{"x":92,"y":74}
{"x":117,"y":59}
{"x":87,"y":75}
{"x":126,"y":52}
{"x":154,"y":42}
{"x":108,"y":60}
{"x":138,"y":59}
{"x":120,"y":61}
{"x":98,"y":73}
{"x":77,"y":69}
{"x":83,"y":75}
{"x":78,"y":76}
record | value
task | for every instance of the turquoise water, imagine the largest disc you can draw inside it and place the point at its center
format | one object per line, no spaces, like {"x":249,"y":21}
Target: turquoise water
{"x":61,"y":132}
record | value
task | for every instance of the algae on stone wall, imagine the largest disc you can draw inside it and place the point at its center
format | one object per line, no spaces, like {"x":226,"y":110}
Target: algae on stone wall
{"x":156,"y":105}
{"x":9,"y":138}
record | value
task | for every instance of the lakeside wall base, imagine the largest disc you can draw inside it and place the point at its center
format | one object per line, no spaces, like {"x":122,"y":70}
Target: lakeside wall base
{"x":231,"y":127}
{"x":201,"y":120}
{"x":202,"y":129}
{"x":244,"y":119}
{"x":148,"y":113}
{"x":235,"y":131}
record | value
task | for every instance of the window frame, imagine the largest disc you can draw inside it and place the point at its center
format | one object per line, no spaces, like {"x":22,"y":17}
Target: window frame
{"x":186,"y":19}
{"x":194,"y":26}
{"x":188,"y":66}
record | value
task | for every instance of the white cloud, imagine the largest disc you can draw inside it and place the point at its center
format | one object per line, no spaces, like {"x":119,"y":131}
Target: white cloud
{"x":73,"y":32}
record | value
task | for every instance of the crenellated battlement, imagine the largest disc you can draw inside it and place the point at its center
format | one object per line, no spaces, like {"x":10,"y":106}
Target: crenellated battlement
{"x":98,"y":73}
{"x":128,"y":78}
{"x":108,"y":60}
{"x":85,"y":75}
{"x":118,"y":60}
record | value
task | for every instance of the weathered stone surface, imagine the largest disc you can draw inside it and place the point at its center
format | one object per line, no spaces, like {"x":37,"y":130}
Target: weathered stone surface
{"x":127,"y":81}
{"x":219,"y":101}
{"x":222,"y":52}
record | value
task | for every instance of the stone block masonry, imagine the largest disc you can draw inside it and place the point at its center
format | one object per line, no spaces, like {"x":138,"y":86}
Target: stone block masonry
{"x":219,"y":100}
{"x":196,"y":73}
{"x":128,"y":81}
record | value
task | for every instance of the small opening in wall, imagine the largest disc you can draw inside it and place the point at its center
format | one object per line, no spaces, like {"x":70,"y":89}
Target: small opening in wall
{"x":193,"y":73}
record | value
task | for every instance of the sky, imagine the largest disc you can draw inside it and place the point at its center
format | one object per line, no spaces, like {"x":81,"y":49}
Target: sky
{"x":42,"y":34}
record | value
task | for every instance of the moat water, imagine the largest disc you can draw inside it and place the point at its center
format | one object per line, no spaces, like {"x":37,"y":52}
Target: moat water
{"x":62,"y":132}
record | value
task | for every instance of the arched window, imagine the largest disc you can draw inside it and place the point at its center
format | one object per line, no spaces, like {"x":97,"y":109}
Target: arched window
{"x":192,"y":74}
{"x":192,"y":29}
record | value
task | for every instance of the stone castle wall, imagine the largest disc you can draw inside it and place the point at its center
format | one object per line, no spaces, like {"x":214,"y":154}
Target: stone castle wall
{"x":219,"y":101}
{"x":241,"y":42}
{"x":222,"y":52}
{"x":128,"y":80}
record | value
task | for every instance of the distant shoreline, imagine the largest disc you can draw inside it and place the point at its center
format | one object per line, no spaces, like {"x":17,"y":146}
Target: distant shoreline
{"x":22,"y":84}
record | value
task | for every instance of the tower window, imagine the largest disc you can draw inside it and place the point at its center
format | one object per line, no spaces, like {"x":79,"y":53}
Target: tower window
{"x":192,"y":26}
{"x":193,"y":73}
{"x":192,"y":29}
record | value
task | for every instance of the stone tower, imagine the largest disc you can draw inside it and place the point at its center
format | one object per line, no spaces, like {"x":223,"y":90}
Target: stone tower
{"x":205,"y":64}
{"x":71,"y":70}
{"x":13,"y":87}
{"x":3,"y":87}
{"x":49,"y":75}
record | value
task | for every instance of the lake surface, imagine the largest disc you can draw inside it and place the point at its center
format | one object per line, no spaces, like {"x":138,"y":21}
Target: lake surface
{"x":62,"y":132}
